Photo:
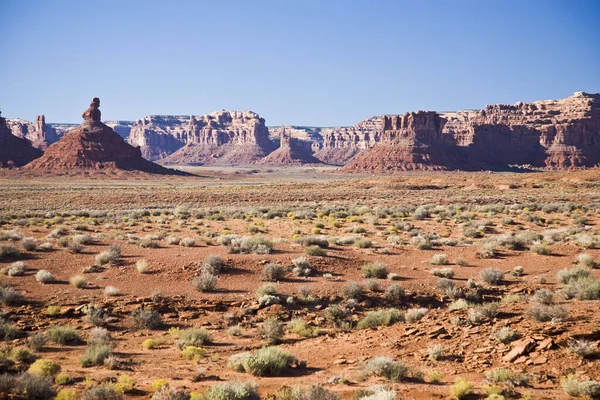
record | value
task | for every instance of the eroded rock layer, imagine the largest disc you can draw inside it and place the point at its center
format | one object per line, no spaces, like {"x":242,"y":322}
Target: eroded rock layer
{"x":15,"y":151}
{"x":552,"y":134}
{"x":291,"y":151}
{"x":222,"y":138}
{"x":95,"y":146}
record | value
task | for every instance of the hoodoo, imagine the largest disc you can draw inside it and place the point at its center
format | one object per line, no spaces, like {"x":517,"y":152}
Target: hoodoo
{"x":95,"y":146}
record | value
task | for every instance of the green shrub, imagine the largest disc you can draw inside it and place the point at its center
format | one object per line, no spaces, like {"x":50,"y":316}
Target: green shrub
{"x":300,"y":327}
{"x":351,"y":290}
{"x":193,"y":337}
{"x":461,"y":388}
{"x":375,"y":270}
{"x":272,"y":330}
{"x":96,"y":353}
{"x":193,"y":353}
{"x":44,"y":368}
{"x":232,"y":391}
{"x":268,"y":361}
{"x":381,"y":318}
{"x":63,"y":335}
{"x":386,"y":367}
{"x":315,"y":251}
{"x":566,"y":275}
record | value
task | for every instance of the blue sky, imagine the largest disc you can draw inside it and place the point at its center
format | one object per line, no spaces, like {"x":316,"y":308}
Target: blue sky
{"x":309,"y":62}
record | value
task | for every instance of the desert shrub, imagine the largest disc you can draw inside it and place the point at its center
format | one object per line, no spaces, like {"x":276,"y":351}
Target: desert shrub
{"x":439,"y":259}
{"x":174,"y":240}
{"x":313,"y":392}
{"x":23,"y":356}
{"x":96,"y":315}
{"x":111,"y":291}
{"x":99,"y":335}
{"x":142,"y":266}
{"x":394,"y":292}
{"x":268,"y":361}
{"x":75,"y":248}
{"x":461,"y":388}
{"x":301,"y":262}
{"x":67,"y":394}
{"x":386,"y":367}
{"x":576,"y":388}
{"x":187,"y":242}
{"x":8,"y":251}
{"x":36,"y":341}
{"x":44,"y":368}
{"x":435,"y":352}
{"x":351,"y":290}
{"x":193,"y":337}
{"x":29,"y":243}
{"x":205,"y":282}
{"x":192,"y":353}
{"x":61,"y":379}
{"x":544,"y":313}
{"x":8,"y":330}
{"x":110,"y":256}
{"x":34,"y":387}
{"x":583,"y":348}
{"x":106,"y":391}
{"x":78,"y":281}
{"x":273,"y":272}
{"x":435,"y":376}
{"x":415,"y":314}
{"x":506,"y":375}
{"x":363,"y":243}
{"x":300,"y":327}
{"x":518,"y":270}
{"x":447,"y":273}
{"x":144,"y":318}
{"x":336,"y":314}
{"x":380,"y":318}
{"x":232,"y":391}
{"x":505,"y":334}
{"x":541,"y":249}
{"x":272,"y":330}
{"x":491,"y":276}
{"x":375,"y":270}
{"x":247,"y":245}
{"x":315,"y":251}
{"x":125,"y":384}
{"x":566,"y":275}
{"x":484,"y":311}
{"x":583,"y":289}
{"x":587,"y":261}
{"x":312,"y":241}
{"x":96,"y":353}
{"x":375,"y":393}
{"x":159,"y":384}
{"x":43,"y":276}
{"x":543,"y":296}
{"x":266,"y":289}
{"x":63,"y":335}
{"x":9,"y":296}
{"x":47,"y":246}
{"x":268,"y":300}
{"x":17,"y":269}
{"x":422,"y":243}
{"x":213,"y":264}
{"x":150,"y":344}
{"x":459,"y":304}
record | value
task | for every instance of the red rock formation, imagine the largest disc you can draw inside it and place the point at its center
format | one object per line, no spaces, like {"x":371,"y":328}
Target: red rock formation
{"x":223,"y":138}
{"x":340,"y":145}
{"x":15,"y":151}
{"x":94,"y":145}
{"x":38,"y":133}
{"x":290,"y":152}
{"x":553,"y":134}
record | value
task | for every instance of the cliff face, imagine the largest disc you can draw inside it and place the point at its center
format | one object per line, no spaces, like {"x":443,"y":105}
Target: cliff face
{"x":15,"y":151}
{"x":291,"y":151}
{"x":552,"y":134}
{"x":159,"y":135}
{"x":224,"y":137}
{"x":340,"y":145}
{"x":38,"y":133}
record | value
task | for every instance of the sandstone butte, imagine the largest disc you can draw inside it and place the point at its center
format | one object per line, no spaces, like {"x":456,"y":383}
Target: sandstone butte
{"x":290,"y":152}
{"x":15,"y":151}
{"x":94,"y":146}
{"x":552,"y":134}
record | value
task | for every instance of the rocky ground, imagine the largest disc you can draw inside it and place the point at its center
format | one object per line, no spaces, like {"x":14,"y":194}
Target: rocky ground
{"x":461,"y":270}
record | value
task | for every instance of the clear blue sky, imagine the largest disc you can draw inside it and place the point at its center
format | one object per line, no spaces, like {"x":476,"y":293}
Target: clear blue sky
{"x":303,"y":62}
